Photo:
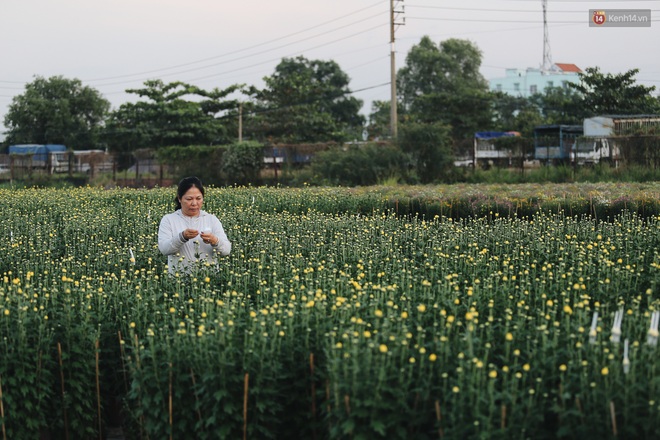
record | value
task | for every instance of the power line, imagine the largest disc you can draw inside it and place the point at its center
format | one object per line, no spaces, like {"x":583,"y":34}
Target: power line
{"x":450,"y":8}
{"x":254,"y":46}
{"x":492,"y":21}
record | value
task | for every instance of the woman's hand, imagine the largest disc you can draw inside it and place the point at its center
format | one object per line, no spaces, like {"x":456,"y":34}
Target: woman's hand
{"x":190,"y":233}
{"x":209,"y":238}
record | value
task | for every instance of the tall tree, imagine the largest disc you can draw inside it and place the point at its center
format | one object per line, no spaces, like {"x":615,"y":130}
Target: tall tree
{"x":170,"y":114}
{"x":560,"y":105}
{"x":429,"y":147}
{"x":442,"y":83}
{"x":379,"y":126}
{"x":306,"y":101}
{"x":556,"y":105}
{"x":506,"y":109}
{"x":56,"y":110}
{"x":606,"y":93}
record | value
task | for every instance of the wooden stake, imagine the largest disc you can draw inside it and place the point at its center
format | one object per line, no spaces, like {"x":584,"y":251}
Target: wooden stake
{"x":170,"y":400}
{"x":438,"y":417}
{"x":327,"y":399}
{"x":327,"y":395}
{"x":246,"y":382}
{"x":578,"y":405}
{"x":347,"y":404}
{"x":199,"y":413}
{"x":66,"y":421}
{"x":245,"y":404}
{"x":98,"y":390}
{"x":311,"y":369}
{"x":2,"y":413}
{"x":123,"y":367}
{"x":503,"y":417}
{"x":613,"y":415}
{"x":137,"y":351}
{"x":137,"y":363}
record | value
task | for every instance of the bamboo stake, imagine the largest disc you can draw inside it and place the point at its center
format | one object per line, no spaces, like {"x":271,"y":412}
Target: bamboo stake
{"x":327,"y":396}
{"x":170,"y":401}
{"x":123,"y":367}
{"x":66,"y":420}
{"x":245,"y":404}
{"x":327,"y":399}
{"x":438,"y":417}
{"x":98,"y":391}
{"x":503,"y":417}
{"x":199,"y":413}
{"x":2,"y":413}
{"x":311,"y":368}
{"x":578,"y":405}
{"x":137,"y":364}
{"x":137,"y":351}
{"x":347,"y":404}
{"x":613,"y":415}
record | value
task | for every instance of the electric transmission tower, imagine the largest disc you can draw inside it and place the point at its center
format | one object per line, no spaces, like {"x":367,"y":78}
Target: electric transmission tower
{"x":547,"y":58}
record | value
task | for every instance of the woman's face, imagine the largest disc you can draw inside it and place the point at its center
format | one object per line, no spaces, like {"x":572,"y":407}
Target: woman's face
{"x":191,"y":202}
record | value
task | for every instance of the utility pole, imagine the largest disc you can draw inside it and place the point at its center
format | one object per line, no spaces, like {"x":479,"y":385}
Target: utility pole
{"x":394,"y":14}
{"x":240,"y":122}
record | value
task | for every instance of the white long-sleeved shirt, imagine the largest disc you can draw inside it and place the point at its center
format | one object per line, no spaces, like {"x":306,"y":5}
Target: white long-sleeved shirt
{"x":181,"y":254}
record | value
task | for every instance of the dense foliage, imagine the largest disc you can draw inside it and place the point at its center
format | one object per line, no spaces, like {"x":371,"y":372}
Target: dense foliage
{"x":330,"y":319}
{"x":606,"y":94}
{"x":305,"y":101}
{"x":442,"y":84}
{"x":169,"y":114}
{"x":57,"y":110}
{"x":234,"y":164}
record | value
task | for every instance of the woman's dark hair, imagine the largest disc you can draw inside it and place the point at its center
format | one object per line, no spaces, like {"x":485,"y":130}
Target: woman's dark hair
{"x":185,"y":184}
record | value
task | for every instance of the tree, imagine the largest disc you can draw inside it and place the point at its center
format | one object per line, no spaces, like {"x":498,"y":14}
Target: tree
{"x":172,"y":114}
{"x":429,"y":146}
{"x":305,"y":101}
{"x":356,"y":165}
{"x":56,"y":111}
{"x":380,"y":124}
{"x":604,"y":94}
{"x":442,"y":83}
{"x":560,"y":105}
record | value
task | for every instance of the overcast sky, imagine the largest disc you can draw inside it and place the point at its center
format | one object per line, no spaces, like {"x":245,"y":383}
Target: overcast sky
{"x":113,"y":45}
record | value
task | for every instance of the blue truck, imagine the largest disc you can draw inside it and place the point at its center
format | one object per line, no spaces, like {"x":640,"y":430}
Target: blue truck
{"x":37,"y":155}
{"x":39,"y":152}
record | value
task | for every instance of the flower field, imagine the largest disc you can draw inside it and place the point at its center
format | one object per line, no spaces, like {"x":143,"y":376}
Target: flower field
{"x":333,"y":318}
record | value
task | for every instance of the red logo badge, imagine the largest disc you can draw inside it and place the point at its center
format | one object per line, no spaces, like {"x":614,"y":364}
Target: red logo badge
{"x":599,"y":17}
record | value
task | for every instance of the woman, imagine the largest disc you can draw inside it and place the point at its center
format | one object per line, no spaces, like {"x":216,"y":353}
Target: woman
{"x":190,"y":235}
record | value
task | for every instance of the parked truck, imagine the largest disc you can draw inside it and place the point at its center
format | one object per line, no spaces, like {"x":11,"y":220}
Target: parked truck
{"x":55,"y":158}
{"x":597,"y":143}
{"x":34,"y":155}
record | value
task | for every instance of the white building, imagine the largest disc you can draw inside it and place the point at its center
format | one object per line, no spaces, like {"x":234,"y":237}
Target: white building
{"x":525,"y":83}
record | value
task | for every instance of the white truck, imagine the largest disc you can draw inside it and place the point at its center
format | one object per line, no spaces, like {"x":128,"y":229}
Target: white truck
{"x":597,"y":143}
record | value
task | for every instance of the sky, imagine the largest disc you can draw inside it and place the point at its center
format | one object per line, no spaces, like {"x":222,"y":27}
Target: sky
{"x":114,"y":45}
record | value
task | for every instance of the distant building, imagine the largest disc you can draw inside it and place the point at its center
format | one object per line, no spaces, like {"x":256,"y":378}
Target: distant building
{"x":525,"y":83}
